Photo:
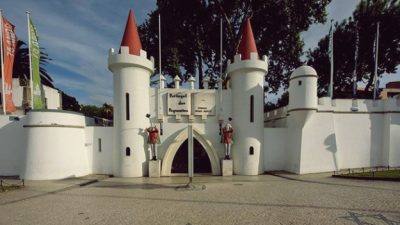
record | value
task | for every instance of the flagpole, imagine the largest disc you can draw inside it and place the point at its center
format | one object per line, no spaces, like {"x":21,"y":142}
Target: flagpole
{"x":2,"y":63}
{"x":159,"y":48}
{"x":355,"y":64}
{"x":331,"y":56}
{"x":220,"y":70}
{"x":30,"y":58}
{"x":376,"y":59}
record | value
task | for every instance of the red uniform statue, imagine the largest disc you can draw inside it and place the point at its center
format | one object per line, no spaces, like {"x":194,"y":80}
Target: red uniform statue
{"x":227,"y":132}
{"x":153,"y":135}
{"x":153,"y":140}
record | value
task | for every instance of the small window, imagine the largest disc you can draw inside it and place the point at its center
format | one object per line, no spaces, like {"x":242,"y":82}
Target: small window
{"x":299,"y":82}
{"x":251,"y":150}
{"x":252,"y":109}
{"x":99,"y":141}
{"x":127,"y":106}
{"x":128,"y":151}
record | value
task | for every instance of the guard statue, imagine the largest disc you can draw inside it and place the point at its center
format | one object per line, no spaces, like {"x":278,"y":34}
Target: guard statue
{"x":227,"y":132}
{"x":153,"y":140}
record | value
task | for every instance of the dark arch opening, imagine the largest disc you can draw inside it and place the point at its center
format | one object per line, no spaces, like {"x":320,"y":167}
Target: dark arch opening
{"x":202,"y":163}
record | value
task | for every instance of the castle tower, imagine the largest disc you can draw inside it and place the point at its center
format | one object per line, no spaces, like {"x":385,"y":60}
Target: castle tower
{"x":131,"y":70}
{"x":303,"y":99}
{"x":247,"y":77}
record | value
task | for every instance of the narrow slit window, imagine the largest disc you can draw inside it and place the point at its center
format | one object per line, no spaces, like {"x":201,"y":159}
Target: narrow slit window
{"x":128,"y":151}
{"x":252,"y":109}
{"x":299,"y":82}
{"x":99,"y":141}
{"x":127,"y":106}
{"x":251,"y":150}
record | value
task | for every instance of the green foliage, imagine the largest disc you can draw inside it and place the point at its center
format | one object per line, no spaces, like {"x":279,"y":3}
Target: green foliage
{"x":21,"y":65}
{"x":69,"y":103}
{"x":364,"y":19}
{"x":191,"y":36}
{"x":105,"y":111}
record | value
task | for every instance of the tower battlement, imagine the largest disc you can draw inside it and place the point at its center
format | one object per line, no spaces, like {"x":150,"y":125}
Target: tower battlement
{"x":254,"y":62}
{"x":124,"y":58}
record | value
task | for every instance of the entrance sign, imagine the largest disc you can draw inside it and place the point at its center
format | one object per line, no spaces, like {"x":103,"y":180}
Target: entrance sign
{"x":204,"y":104}
{"x":179,"y":103}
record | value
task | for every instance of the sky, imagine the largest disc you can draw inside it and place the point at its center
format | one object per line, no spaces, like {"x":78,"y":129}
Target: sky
{"x":77,"y":35}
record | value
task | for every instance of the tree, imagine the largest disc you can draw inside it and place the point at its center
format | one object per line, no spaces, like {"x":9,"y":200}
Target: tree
{"x":21,"y":65}
{"x":69,"y":103}
{"x":364,"y":20}
{"x":191,"y":34}
{"x":105,"y":111}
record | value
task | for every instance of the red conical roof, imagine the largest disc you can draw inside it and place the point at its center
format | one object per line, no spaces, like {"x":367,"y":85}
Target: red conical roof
{"x":131,"y":37}
{"x":247,"y":43}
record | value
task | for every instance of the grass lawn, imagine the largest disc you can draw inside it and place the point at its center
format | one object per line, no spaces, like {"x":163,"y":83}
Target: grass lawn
{"x":390,"y":174}
{"x":9,"y":188}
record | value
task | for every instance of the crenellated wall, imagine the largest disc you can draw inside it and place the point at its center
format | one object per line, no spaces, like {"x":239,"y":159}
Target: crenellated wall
{"x":342,"y":133}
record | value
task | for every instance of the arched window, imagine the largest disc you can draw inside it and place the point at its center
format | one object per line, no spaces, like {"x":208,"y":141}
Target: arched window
{"x":251,"y":150}
{"x":251,"y":108}
{"x":127,"y":106}
{"x":128,"y":151}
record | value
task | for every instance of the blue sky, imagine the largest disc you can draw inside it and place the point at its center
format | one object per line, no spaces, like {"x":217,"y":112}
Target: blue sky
{"x":78,"y":33}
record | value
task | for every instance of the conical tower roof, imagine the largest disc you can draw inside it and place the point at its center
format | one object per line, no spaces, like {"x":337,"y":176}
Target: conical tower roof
{"x":247,"y":42}
{"x":131,"y":37}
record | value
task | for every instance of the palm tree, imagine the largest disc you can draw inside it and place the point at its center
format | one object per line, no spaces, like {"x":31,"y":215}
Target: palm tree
{"x":21,"y":65}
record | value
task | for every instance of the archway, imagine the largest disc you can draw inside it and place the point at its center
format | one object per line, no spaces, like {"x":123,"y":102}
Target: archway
{"x":201,"y":161}
{"x":178,"y":141}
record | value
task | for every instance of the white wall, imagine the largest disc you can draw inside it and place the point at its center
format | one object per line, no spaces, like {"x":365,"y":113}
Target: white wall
{"x":53,"y":98}
{"x":359,"y":139}
{"x":52,"y":95}
{"x":100,"y":162}
{"x":319,"y":151}
{"x":275,"y":153}
{"x":12,"y":142}
{"x":55,"y":145}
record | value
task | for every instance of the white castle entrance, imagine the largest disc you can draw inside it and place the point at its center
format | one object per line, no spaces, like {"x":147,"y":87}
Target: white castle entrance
{"x":179,"y":140}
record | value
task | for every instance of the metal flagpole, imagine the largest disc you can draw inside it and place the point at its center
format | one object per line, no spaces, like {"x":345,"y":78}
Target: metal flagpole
{"x":220,"y":71}
{"x":355,"y":64}
{"x":331,"y":59}
{"x":159,"y":48}
{"x":30,"y":57}
{"x":2,"y":63}
{"x":376,"y":59}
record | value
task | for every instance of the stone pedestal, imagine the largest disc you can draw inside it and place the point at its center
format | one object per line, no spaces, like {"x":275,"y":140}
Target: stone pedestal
{"x":227,"y":167}
{"x":154,"y":168}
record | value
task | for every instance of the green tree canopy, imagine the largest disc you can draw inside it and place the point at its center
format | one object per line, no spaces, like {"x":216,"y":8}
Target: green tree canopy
{"x":363,"y":21}
{"x":190,"y":38}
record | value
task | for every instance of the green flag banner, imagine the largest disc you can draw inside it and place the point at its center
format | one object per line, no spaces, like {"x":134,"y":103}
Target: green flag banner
{"x":35,"y":60}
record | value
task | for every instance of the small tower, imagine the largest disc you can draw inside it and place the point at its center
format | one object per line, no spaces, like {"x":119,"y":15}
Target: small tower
{"x":247,"y":77}
{"x":131,"y":70}
{"x":303,"y":99}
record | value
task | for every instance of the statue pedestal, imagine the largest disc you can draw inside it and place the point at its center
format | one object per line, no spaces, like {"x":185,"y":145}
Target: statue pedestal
{"x":227,"y":167}
{"x":154,"y":168}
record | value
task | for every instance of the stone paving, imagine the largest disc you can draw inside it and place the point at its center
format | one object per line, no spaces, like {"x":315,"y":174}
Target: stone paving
{"x":267,"y":199}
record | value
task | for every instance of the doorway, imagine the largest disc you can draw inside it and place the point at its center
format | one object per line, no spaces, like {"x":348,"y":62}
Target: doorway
{"x":201,"y":161}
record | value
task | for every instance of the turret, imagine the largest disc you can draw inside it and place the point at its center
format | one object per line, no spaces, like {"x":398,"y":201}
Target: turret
{"x":247,"y":73}
{"x":131,"y":70}
{"x":303,"y":99}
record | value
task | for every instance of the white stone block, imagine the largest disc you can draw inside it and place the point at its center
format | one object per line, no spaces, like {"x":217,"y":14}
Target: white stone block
{"x":154,"y":168}
{"x":227,"y":167}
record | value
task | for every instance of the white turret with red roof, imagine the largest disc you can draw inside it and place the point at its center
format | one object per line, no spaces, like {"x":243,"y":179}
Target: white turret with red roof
{"x":247,"y":73}
{"x":131,"y":69}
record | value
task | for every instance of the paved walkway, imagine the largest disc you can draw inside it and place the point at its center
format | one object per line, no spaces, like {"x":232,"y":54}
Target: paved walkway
{"x":266,"y":199}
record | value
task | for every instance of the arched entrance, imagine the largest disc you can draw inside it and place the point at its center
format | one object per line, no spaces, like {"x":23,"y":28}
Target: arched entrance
{"x":176,"y":144}
{"x":201,"y":162}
